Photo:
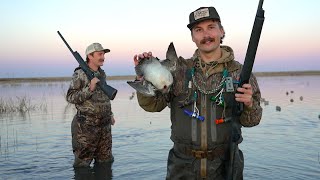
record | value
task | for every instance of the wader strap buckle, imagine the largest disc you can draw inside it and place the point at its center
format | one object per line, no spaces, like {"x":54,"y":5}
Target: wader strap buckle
{"x":199,"y":154}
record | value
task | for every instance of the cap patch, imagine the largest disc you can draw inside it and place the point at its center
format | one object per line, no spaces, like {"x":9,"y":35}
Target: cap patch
{"x":201,"y":13}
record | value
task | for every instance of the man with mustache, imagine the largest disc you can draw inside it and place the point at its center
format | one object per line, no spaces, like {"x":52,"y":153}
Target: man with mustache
{"x":91,"y":126}
{"x":201,"y":102}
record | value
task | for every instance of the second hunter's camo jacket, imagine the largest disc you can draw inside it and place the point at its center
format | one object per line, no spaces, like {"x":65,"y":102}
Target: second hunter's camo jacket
{"x":89,"y":103}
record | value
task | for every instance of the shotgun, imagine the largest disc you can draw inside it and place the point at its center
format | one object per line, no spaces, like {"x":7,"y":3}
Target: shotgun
{"x":108,"y":90}
{"x":244,"y":79}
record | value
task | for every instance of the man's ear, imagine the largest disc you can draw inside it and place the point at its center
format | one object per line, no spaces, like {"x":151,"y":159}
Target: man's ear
{"x":90,"y":56}
{"x":222,"y":33}
{"x":192,"y":36}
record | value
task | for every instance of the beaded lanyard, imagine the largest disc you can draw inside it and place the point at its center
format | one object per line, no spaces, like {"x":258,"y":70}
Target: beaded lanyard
{"x":195,"y":113}
{"x":218,"y":99}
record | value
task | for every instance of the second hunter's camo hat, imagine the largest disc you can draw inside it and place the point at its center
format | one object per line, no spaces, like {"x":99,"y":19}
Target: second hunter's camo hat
{"x":95,"y":47}
{"x":201,"y":14}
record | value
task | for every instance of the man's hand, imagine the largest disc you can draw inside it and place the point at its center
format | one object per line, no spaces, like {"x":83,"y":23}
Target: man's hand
{"x":138,"y":57}
{"x":246,"y":97}
{"x":93,"y":84}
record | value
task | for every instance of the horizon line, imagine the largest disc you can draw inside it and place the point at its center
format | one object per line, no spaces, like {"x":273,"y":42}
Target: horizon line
{"x":128,"y":77}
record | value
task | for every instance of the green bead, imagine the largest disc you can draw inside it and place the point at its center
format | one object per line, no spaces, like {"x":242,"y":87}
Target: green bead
{"x":225,"y":73}
{"x":195,"y":95}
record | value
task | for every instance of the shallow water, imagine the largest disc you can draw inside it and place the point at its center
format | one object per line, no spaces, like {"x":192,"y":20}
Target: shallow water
{"x":37,"y":145}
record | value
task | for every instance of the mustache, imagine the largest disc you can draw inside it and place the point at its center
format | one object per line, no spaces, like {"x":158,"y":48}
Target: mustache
{"x":206,"y":39}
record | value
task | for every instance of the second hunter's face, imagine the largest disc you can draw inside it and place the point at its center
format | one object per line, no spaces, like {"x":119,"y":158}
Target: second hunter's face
{"x":207,"y":35}
{"x":98,"y":58}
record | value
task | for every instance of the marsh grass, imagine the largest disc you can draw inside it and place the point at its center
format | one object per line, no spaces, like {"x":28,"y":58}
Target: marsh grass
{"x":63,"y":90}
{"x":21,"y":104}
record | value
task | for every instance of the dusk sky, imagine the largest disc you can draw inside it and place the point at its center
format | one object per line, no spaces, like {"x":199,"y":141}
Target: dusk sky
{"x":31,"y":47}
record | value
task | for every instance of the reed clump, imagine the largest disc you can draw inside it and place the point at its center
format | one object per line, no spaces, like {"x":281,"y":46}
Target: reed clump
{"x":21,"y":104}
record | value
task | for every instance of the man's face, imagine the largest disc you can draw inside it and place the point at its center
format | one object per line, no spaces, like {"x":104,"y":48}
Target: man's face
{"x":207,"y":35}
{"x":97,"y":58}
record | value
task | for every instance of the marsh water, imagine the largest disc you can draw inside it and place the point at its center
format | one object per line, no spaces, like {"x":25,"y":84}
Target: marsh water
{"x":35,"y":143}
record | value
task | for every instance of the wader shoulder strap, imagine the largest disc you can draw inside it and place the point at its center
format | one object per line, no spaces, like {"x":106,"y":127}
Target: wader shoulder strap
{"x":204,"y":143}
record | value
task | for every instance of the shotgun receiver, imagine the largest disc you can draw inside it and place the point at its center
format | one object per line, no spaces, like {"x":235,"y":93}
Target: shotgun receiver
{"x":108,"y":90}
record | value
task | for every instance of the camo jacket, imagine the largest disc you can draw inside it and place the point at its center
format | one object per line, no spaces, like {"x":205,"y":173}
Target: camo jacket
{"x":94,"y":104}
{"x":206,"y":79}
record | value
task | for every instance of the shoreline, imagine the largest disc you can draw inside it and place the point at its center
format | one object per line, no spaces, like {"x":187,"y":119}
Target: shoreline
{"x":132,"y":77}
{"x":287,"y":73}
{"x":52,"y":79}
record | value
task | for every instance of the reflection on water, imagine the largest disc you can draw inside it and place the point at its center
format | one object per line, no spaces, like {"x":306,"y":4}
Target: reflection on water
{"x":36,"y":144}
{"x":97,"y":172}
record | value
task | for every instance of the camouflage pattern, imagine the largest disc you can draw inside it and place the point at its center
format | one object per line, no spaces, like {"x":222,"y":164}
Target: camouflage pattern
{"x":87,"y":102}
{"x":206,"y":78}
{"x":91,"y":126}
{"x":213,"y":75}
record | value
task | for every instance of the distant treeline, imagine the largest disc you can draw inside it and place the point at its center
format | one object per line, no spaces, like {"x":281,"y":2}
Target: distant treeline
{"x":131,"y":77}
{"x":288,"y":73}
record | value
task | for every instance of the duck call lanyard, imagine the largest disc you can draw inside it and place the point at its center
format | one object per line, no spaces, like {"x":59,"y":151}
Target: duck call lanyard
{"x":218,"y":98}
